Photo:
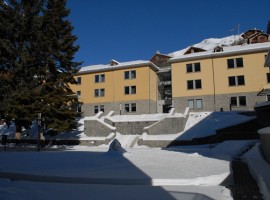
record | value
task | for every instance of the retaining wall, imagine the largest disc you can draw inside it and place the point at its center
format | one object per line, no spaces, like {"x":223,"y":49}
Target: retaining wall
{"x":96,"y":128}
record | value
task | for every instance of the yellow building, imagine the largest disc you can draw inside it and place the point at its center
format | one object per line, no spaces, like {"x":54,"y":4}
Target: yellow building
{"x":125,"y":88}
{"x":228,"y":78}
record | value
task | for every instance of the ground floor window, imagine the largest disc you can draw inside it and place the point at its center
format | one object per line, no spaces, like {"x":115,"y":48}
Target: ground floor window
{"x":98,"y":108}
{"x":79,"y":109}
{"x":130,"y":107}
{"x":195,"y":103}
{"x":238,"y":101}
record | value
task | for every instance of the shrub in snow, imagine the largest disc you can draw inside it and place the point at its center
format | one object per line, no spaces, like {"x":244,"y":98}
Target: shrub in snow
{"x":116,"y":146}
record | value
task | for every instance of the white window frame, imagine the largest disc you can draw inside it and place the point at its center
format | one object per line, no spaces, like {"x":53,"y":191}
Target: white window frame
{"x":99,"y":78}
{"x":79,"y":94}
{"x":236,"y":80}
{"x":79,"y":80}
{"x":99,"y":92}
{"x":130,"y":74}
{"x":235,"y":63}
{"x":193,"y":104}
{"x":131,"y":90}
{"x":238,"y":101}
{"x":193,"y":68}
{"x":194,"y":84}
{"x":129,"y":107}
{"x":98,"y":108}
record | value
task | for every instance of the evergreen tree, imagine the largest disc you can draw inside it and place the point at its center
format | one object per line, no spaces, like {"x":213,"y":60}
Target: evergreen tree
{"x":36,"y":62}
{"x":19,"y":20}
{"x":268,"y":27}
{"x":57,"y":43}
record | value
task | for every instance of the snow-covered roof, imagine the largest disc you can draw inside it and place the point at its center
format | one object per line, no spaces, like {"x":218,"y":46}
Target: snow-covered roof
{"x":123,"y":65}
{"x":209,"y":44}
{"x":227,"y":51}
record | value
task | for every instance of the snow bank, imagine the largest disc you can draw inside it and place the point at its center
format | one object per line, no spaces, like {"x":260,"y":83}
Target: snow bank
{"x":260,"y":169}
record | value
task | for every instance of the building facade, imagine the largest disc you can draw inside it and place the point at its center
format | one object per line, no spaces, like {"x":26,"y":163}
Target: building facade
{"x":125,"y":88}
{"x":222,"y":78}
{"x":229,"y":79}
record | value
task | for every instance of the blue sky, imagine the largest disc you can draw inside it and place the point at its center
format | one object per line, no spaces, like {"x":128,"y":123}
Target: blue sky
{"x":127,"y":30}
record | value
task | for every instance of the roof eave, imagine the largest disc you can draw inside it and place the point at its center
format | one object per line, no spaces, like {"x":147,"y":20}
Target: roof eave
{"x":150,"y":64}
{"x":216,"y":54}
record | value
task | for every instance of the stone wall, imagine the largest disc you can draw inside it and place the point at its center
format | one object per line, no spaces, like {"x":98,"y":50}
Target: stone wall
{"x":143,"y":107}
{"x":180,"y":103}
{"x":218,"y":102}
{"x":168,"y":125}
{"x":130,"y":128}
{"x":96,"y":128}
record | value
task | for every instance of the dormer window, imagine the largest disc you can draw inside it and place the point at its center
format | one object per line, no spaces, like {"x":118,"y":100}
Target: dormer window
{"x":113,"y":63}
{"x":218,"y":49}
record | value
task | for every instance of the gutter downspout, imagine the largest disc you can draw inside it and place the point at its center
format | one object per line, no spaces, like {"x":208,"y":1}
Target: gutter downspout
{"x":214,"y":84}
{"x":149,"y":89}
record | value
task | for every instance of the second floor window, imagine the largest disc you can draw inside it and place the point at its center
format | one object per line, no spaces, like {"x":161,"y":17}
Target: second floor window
{"x":99,"y":78}
{"x":193,"y":67}
{"x":236,"y":80}
{"x":99,"y":92}
{"x":79,"y":94}
{"x":268,"y":77}
{"x":130,"y":74}
{"x":234,"y":63}
{"x":79,"y":80}
{"x":194,"y":84}
{"x":130,"y":89}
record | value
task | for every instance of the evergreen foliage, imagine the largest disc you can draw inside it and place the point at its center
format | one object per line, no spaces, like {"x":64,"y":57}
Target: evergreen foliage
{"x":268,"y":27}
{"x":36,"y":62}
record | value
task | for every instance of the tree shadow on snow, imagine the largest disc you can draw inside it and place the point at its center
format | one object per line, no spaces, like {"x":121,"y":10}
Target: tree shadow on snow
{"x":104,"y":175}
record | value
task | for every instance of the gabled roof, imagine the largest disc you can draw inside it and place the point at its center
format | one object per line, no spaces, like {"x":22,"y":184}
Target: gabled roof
{"x":250,"y":32}
{"x":123,"y":65}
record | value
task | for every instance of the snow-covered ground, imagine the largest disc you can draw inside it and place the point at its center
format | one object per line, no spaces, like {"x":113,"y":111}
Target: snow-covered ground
{"x":83,"y":172}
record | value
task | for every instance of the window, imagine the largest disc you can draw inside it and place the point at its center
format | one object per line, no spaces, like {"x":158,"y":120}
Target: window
{"x":268,"y":77}
{"x":99,"y":92}
{"x":191,"y":104}
{"x":98,"y":108}
{"x":79,"y":109}
{"x":79,"y":80}
{"x":236,"y":80}
{"x":234,"y":63}
{"x":193,"y":67}
{"x":79,"y":94}
{"x":238,"y":101}
{"x":194,"y":84}
{"x":130,"y":107}
{"x":130,"y":89}
{"x":130,"y":74}
{"x":195,"y":103}
{"x":100,"y":78}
